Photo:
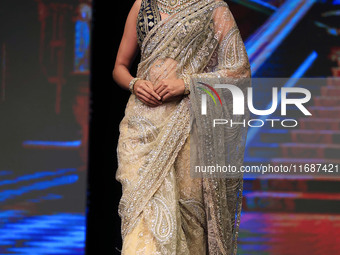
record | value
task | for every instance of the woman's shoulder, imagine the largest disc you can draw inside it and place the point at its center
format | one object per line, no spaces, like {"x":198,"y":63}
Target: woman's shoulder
{"x":220,"y":6}
{"x":220,"y":3}
{"x":138,"y":2}
{"x":136,"y":6}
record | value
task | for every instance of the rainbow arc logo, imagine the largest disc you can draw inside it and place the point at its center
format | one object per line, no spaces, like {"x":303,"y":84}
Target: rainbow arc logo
{"x":209,"y":93}
{"x":204,"y":97}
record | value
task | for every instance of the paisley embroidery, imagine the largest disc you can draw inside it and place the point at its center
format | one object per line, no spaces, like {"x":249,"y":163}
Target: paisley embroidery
{"x":233,"y":54}
{"x":163,"y":223}
{"x":144,"y":127}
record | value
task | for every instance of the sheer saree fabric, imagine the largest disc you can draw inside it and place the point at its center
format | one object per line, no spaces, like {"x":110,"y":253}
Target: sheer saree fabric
{"x":164,"y":210}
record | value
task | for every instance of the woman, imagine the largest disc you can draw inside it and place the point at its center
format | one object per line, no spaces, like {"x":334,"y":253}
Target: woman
{"x":164,"y":210}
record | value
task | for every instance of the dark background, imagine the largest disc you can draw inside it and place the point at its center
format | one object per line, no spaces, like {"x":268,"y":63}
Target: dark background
{"x":40,"y":42}
{"x":108,"y":101}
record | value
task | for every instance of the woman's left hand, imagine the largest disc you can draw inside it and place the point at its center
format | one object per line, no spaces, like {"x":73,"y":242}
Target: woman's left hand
{"x":170,"y":89}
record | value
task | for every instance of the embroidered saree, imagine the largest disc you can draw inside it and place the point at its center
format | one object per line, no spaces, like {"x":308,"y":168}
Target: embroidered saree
{"x":163,"y":210}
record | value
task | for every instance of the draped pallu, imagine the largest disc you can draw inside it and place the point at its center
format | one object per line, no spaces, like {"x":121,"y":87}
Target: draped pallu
{"x":163,"y":209}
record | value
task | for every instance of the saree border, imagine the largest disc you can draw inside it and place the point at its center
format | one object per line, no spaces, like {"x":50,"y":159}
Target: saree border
{"x":180,"y":13}
{"x":129,"y":208}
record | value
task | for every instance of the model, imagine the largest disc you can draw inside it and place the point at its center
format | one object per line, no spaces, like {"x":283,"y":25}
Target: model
{"x":164,"y":210}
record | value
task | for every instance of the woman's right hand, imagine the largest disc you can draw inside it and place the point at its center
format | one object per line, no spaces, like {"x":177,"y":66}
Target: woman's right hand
{"x":143,"y":89}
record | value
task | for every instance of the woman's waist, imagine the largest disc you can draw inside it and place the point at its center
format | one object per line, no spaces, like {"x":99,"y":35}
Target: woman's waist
{"x":160,"y":113}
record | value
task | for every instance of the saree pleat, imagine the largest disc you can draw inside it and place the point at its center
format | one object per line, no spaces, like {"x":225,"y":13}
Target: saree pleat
{"x":164,"y":210}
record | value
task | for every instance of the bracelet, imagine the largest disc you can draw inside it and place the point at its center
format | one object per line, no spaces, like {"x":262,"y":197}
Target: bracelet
{"x":186,"y":79}
{"x":132,"y":84}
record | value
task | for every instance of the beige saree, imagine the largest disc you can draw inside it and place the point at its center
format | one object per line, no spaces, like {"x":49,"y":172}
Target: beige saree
{"x":163,"y":209}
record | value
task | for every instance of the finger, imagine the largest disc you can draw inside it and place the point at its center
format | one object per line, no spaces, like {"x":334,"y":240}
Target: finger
{"x":166,"y":96}
{"x":163,"y":93}
{"x":141,"y":91}
{"x":149,"y":84}
{"x":159,"y":86}
{"x":156,"y":87}
{"x":146,"y":101}
{"x":150,"y":97}
{"x":160,"y":89}
{"x":153,"y":93}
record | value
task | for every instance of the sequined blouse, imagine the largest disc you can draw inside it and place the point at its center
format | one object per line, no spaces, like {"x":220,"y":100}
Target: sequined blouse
{"x":148,"y":17}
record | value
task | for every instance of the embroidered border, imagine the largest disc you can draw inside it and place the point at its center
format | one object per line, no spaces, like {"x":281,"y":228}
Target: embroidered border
{"x":148,"y":17}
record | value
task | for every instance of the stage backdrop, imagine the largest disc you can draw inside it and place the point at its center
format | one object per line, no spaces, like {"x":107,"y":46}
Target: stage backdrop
{"x":44,"y":102}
